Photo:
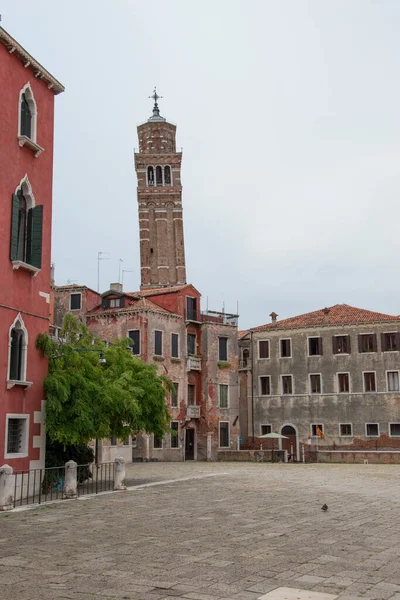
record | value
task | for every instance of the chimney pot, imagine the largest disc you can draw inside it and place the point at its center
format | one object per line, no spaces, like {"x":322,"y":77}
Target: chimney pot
{"x":273,"y":316}
{"x":116,"y":287}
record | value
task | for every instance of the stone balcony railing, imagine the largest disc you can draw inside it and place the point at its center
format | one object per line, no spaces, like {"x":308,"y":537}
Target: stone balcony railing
{"x":193,"y":412}
{"x":245,"y":364}
{"x":193,"y":363}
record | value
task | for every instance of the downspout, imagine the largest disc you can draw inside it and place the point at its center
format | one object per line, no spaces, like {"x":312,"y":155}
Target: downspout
{"x":252,"y":388}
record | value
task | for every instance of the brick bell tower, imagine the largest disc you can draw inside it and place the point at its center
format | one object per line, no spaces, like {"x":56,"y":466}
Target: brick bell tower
{"x":159,"y":194}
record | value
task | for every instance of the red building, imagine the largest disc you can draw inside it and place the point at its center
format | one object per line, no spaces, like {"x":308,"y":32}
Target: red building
{"x":26,"y":168}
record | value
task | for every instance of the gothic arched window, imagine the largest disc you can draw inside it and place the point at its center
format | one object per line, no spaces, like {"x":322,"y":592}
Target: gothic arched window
{"x":22,"y":227}
{"x":26,"y":228}
{"x":27,"y":113}
{"x":18,"y":351}
{"x":159,"y":180}
{"x":26,"y":117}
{"x":167,"y":175}
{"x":150,"y":176}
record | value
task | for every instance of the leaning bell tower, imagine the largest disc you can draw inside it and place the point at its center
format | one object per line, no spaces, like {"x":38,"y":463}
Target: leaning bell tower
{"x":159,"y":194}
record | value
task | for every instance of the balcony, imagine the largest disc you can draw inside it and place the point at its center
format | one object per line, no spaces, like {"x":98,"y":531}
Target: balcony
{"x":193,"y":315}
{"x":245,"y":364}
{"x":193,"y":363}
{"x":193,"y":412}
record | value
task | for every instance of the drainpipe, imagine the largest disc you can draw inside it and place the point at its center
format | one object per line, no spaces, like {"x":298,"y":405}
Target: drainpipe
{"x":252,"y":387}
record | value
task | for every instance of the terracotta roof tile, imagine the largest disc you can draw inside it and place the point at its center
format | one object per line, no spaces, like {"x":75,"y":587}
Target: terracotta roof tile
{"x":132,"y":305}
{"x":242,"y":333}
{"x":336,"y":315}
{"x":157,"y":291}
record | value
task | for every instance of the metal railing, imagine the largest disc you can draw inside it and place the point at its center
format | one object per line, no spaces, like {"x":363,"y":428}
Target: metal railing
{"x":95,"y":478}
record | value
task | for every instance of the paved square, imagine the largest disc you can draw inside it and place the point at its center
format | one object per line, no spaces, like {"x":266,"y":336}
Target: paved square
{"x":221,"y":531}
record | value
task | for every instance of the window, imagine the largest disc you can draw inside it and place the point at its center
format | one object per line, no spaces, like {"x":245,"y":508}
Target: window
{"x":115,"y":302}
{"x":286,"y":348}
{"x":191,"y":308}
{"x":26,"y":117}
{"x":317,"y":430}
{"x":343,"y":383}
{"x":174,"y":345}
{"x":159,"y":180}
{"x":287,"y":386}
{"x":393,"y":381}
{"x":341,"y":344}
{"x":134,"y":335}
{"x":17,"y":434}
{"x":191,"y":344}
{"x":157,"y":443}
{"x":265,"y":429}
{"x":27,"y":114}
{"x":263,"y":349}
{"x":394,"y":429}
{"x":158,"y":343}
{"x":367,"y":342}
{"x":150,"y":176}
{"x":314,"y":346}
{"x":26,"y":231}
{"x":265,"y":385}
{"x":191,"y":399}
{"x":223,"y":434}
{"x":126,"y":441}
{"x":113,"y":441}
{"x":372,"y":429}
{"x":223,"y":396}
{"x":223,"y":349}
{"x":167,"y":175}
{"x":174,"y":395}
{"x":315,"y":384}
{"x":369,"y":382}
{"x":345,"y":430}
{"x":18,"y":345}
{"x":390,"y":342}
{"x":75,"y":301}
{"x":174,"y":434}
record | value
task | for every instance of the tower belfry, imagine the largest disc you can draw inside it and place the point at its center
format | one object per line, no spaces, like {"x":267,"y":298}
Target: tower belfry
{"x":159,"y":194}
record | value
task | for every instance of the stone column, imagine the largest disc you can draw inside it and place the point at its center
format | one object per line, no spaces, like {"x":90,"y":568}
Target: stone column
{"x":6,"y":487}
{"x":209,"y":446}
{"x":70,"y":479}
{"x":119,"y":473}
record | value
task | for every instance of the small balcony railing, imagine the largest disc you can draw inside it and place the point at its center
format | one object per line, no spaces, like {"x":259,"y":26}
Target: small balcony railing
{"x":245,"y":364}
{"x":192,"y":314}
{"x":193,"y":412}
{"x":193,"y":363}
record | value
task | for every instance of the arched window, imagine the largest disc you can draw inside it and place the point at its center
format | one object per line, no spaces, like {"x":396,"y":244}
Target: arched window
{"x":246,"y":356}
{"x":26,"y":117}
{"x":27,"y":113}
{"x":159,"y":180}
{"x":22,"y":228}
{"x":167,"y":175}
{"x":26,"y":228}
{"x":17,"y":351}
{"x":150,"y":176}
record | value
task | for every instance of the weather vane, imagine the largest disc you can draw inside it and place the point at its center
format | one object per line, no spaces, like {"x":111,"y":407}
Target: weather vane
{"x":155,"y":96}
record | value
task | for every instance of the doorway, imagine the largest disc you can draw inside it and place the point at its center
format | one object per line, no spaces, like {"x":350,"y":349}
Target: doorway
{"x":291,"y":443}
{"x":189,"y":444}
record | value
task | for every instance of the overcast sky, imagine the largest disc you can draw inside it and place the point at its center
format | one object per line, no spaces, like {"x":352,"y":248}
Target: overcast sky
{"x":288,"y":112}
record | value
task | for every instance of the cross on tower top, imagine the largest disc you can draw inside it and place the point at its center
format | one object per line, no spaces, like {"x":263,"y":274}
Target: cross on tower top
{"x":156,"y":111}
{"x":155,"y":96}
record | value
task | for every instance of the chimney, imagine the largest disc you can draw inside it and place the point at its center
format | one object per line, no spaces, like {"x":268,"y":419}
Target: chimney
{"x":273,"y":316}
{"x":116,"y":287}
{"x":52,"y":271}
{"x":326,"y":312}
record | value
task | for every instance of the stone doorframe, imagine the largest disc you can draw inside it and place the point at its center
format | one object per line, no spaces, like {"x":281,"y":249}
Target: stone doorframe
{"x":298,"y":458}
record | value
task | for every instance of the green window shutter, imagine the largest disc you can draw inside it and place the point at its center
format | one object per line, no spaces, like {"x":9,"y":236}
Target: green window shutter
{"x":34,"y":237}
{"x":14,"y":228}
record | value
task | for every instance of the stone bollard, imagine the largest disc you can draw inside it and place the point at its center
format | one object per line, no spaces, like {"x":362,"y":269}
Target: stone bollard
{"x":70,"y":479}
{"x":119,"y":473}
{"x":6,"y":487}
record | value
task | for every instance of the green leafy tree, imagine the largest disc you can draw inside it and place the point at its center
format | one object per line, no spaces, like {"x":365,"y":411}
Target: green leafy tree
{"x":88,"y":398}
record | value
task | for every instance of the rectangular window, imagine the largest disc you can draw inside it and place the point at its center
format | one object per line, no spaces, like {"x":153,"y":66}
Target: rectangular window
{"x":314,"y":346}
{"x":174,"y":395}
{"x":345,"y":430}
{"x":115,"y":302}
{"x":223,"y":349}
{"x":113,"y":441}
{"x":390,"y":342}
{"x":174,"y":434}
{"x":158,"y":343}
{"x":75,"y":301}
{"x":287,"y":384}
{"x":191,"y":309}
{"x":393,"y":381}
{"x":126,"y":441}
{"x":343,"y":383}
{"x":134,"y":335}
{"x":367,"y":342}
{"x":341,"y":344}
{"x":317,"y":430}
{"x":265,"y":429}
{"x":315,"y":384}
{"x":191,"y":344}
{"x":369,"y":382}
{"x":263,"y":349}
{"x":174,"y":345}
{"x":286,"y":348}
{"x":223,"y":435}
{"x":372,"y":429}
{"x":17,"y":435}
{"x":394,"y":429}
{"x":191,"y":398}
{"x":223,"y":396}
{"x":265,"y":386}
{"x":157,"y":443}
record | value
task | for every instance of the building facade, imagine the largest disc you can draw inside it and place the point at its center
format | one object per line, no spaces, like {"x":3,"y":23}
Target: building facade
{"x":328,"y":379}
{"x":26,"y":165}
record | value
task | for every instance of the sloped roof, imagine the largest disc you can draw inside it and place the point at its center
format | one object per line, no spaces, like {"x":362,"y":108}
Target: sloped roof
{"x":133,"y":305}
{"x":74,"y":287}
{"x":161,"y":290}
{"x":338,"y":314}
{"x":243,"y":333}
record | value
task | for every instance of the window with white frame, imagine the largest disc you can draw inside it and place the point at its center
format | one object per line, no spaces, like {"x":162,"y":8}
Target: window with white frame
{"x":392,"y":381}
{"x":369,"y":381}
{"x":27,"y":125}
{"x":223,"y":349}
{"x":18,"y":351}
{"x":372,"y":429}
{"x":223,"y":396}
{"x":26,"y":227}
{"x":315,"y":383}
{"x":265,"y":429}
{"x":174,"y":395}
{"x":263,"y":349}
{"x":394,"y":429}
{"x":174,"y":345}
{"x":343,"y":382}
{"x":191,"y":394}
{"x":158,"y":343}
{"x":285,"y":348}
{"x":157,"y":443}
{"x":134,"y":335}
{"x":287,"y":384}
{"x":174,"y":434}
{"x":314,"y":346}
{"x":345,"y":429}
{"x":224,"y":434}
{"x":17,"y":430}
{"x":265,"y":385}
{"x":317,"y":430}
{"x":75,"y":301}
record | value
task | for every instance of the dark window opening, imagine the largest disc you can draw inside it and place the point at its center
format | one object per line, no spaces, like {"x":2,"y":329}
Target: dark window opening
{"x":343,"y":383}
{"x":265,"y":386}
{"x":317,"y":429}
{"x":265,"y":429}
{"x":263,"y":349}
{"x":22,"y":227}
{"x":150,"y":175}
{"x":224,"y":435}
{"x":346,"y":429}
{"x":394,"y":429}
{"x":372,"y":429}
{"x":16,"y":354}
{"x":113,"y":441}
{"x":174,"y":395}
{"x":134,"y":335}
{"x":369,"y":382}
{"x":390,"y":342}
{"x":174,"y":345}
{"x":223,"y":349}
{"x":174,"y":434}
{"x":287,"y":387}
{"x":191,"y":344}
{"x":159,"y":180}
{"x":157,"y":442}
{"x":315,"y":346}
{"x":191,"y":308}
{"x":151,"y":250}
{"x":341,"y":344}
{"x":245,"y":357}
{"x":191,"y":400}
{"x":26,"y":117}
{"x":315,"y":384}
{"x":158,"y":349}
{"x":167,"y":176}
{"x":75,"y":301}
{"x":15,"y":437}
{"x":286,"y":350}
{"x":223,"y":396}
{"x":367,"y":342}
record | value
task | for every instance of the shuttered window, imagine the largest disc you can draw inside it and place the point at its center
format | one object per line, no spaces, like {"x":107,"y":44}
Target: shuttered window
{"x":223,"y":348}
{"x":174,"y":345}
{"x":191,"y":344}
{"x":134,"y":335}
{"x":265,"y":385}
{"x":263,"y":349}
{"x":369,"y":382}
{"x":367,"y":342}
{"x":341,"y":344}
{"x":26,"y":232}
{"x":390,"y":342}
{"x":223,"y":396}
{"x":158,"y":345}
{"x":314,"y":346}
